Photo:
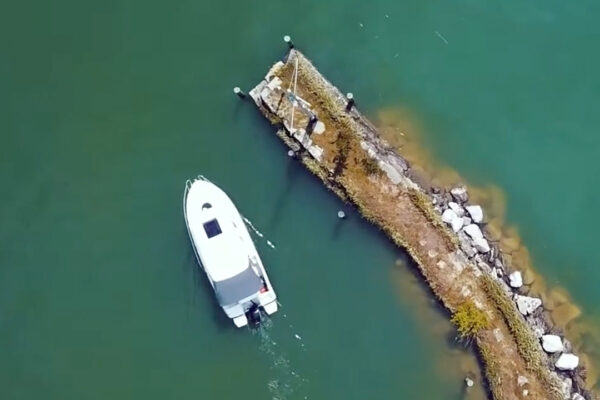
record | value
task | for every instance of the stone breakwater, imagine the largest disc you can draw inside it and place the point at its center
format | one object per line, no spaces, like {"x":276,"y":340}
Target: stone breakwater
{"x":523,"y":355}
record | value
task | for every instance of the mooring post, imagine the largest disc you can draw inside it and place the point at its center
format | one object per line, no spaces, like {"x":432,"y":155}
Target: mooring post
{"x":350,"y":103}
{"x":239,"y":92}
{"x":311,"y":123}
{"x":469,"y":382}
{"x":289,"y":42}
{"x":341,"y":214}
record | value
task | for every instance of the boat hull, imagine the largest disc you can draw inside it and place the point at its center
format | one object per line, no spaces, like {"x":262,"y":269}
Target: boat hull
{"x":228,"y":254}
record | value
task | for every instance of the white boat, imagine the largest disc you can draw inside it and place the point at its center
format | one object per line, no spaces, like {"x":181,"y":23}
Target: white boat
{"x":225,"y":251}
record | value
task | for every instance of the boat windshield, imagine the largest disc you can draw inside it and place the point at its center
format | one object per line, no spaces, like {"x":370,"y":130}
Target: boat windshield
{"x":238,"y":287}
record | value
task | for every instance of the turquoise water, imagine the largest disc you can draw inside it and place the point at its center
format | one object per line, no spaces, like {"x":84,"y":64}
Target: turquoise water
{"x":108,"y":107}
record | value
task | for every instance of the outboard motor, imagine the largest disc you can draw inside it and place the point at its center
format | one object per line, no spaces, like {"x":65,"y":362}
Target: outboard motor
{"x":254,"y":314}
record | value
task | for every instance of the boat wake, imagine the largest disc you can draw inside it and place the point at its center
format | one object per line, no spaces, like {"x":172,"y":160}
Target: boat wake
{"x":258,"y":233}
{"x":285,"y":381}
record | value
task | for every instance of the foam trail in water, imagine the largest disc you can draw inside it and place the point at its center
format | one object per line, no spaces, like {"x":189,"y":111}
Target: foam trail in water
{"x":286,"y":381}
{"x":441,"y":37}
{"x":258,"y":233}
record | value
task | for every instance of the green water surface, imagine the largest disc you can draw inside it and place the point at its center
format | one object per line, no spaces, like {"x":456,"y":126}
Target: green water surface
{"x":106,"y":108}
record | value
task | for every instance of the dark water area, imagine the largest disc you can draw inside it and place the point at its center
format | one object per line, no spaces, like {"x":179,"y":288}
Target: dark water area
{"x":108,"y":107}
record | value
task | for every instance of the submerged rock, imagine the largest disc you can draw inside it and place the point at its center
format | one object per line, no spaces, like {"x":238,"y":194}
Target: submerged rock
{"x":515,"y":280}
{"x":527,"y":305}
{"x":460,"y":194}
{"x":476,"y":213}
{"x":552,"y":343}
{"x":567,"y":362}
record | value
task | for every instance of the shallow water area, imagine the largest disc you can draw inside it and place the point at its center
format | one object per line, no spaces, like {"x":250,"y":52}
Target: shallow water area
{"x":403,"y":132}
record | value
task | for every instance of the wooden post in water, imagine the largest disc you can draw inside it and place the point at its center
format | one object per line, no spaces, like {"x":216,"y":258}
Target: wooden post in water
{"x":350,"y":103}
{"x":239,"y":92}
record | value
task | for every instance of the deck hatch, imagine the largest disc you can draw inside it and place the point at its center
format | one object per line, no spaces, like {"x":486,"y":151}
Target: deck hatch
{"x":212,"y":228}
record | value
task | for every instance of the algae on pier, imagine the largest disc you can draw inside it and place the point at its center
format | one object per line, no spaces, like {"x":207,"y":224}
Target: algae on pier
{"x":353,"y":161}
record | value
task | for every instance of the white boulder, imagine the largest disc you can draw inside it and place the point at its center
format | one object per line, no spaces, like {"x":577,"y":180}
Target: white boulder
{"x":552,"y":343}
{"x":567,"y":362}
{"x":527,"y":305}
{"x":476,"y":213}
{"x":473,"y":231}
{"x":515,"y":280}
{"x":481,"y":245}
{"x":577,"y":396}
{"x":460,"y":194}
{"x":450,"y":217}
{"x":457,"y":209}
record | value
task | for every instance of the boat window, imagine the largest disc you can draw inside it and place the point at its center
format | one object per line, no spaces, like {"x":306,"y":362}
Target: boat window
{"x":212,"y":228}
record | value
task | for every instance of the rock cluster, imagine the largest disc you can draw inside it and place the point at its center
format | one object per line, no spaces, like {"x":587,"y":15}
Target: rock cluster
{"x":464,"y":219}
{"x":468,"y":222}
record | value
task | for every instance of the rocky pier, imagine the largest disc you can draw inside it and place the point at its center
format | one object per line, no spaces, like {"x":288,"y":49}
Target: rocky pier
{"x":523,"y":355}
